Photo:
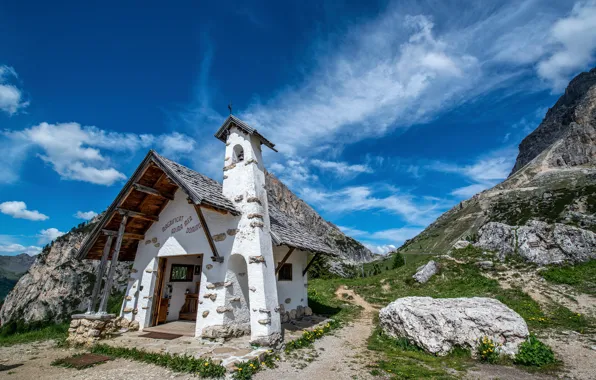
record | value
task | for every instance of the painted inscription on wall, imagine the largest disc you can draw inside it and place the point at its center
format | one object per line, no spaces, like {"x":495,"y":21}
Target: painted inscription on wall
{"x":176,"y":224}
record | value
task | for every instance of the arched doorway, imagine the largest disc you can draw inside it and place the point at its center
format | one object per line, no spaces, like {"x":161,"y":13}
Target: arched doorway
{"x":237,"y":299}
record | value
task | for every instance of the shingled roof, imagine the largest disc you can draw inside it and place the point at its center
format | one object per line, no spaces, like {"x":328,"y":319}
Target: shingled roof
{"x":154,"y":183}
{"x":208,"y":190}
{"x":285,"y":230}
{"x":233,"y":121}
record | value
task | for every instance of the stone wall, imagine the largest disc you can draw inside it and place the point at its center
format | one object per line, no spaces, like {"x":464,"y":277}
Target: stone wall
{"x":88,"y":329}
{"x":294,"y":314}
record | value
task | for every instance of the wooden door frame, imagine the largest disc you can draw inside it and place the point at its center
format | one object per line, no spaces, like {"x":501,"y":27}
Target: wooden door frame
{"x":159,"y":285}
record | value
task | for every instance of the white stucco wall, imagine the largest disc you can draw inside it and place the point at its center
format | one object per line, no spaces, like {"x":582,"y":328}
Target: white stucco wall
{"x":178,"y":232}
{"x":296,"y":290}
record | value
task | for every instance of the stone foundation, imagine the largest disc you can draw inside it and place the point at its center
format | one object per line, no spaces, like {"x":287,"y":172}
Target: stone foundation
{"x":294,"y":314}
{"x":225,"y":331}
{"x":87,"y":329}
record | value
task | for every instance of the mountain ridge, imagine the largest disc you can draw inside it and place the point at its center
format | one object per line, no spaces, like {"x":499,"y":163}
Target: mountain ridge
{"x":553,"y":181}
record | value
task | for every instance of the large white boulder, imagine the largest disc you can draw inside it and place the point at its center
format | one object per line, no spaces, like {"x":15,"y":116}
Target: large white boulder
{"x":439,"y":325}
{"x":425,"y":272}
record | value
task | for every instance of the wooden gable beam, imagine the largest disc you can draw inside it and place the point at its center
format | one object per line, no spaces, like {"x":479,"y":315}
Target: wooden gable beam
{"x":316,"y":256}
{"x":127,"y":235}
{"x":216,"y":257}
{"x":138,"y":215}
{"x":283,"y":261}
{"x":151,"y":191}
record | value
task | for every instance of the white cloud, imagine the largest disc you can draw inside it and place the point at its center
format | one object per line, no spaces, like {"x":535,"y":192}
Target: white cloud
{"x":353,"y":232}
{"x":397,"y":235}
{"x":573,"y":41}
{"x":485,"y":172}
{"x":341,"y":169}
{"x":85,"y":215}
{"x":18,"y":210}
{"x":18,"y":248}
{"x":11,"y":97}
{"x":175,"y":144}
{"x":470,"y":190}
{"x":380,"y":249}
{"x":391,"y":72}
{"x":46,"y":236}
{"x":414,"y":210}
{"x":74,"y":150}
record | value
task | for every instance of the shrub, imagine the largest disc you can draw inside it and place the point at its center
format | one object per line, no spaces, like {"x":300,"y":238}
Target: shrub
{"x":398,"y":260}
{"x":534,"y":353}
{"x":177,"y":363}
{"x":488,"y":351}
{"x":246,"y":370}
{"x":308,"y":337}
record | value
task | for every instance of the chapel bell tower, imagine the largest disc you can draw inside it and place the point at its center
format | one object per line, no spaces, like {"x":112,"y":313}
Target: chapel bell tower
{"x":244,"y":184}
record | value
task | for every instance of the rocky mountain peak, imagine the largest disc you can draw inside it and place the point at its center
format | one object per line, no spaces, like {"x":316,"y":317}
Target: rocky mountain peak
{"x":576,"y":106}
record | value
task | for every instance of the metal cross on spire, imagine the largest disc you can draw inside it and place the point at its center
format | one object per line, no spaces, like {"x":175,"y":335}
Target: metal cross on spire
{"x":230,"y":107}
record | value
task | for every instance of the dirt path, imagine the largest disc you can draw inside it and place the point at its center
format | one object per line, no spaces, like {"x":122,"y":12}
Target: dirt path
{"x":342,"y":355}
{"x":33,"y":361}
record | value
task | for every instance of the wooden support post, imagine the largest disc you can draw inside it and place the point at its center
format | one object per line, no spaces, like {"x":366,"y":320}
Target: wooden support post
{"x":138,"y":215}
{"x":100,"y":271}
{"x":216,"y":257}
{"x":108,"y":287}
{"x":152,"y":191}
{"x":283,"y":261}
{"x":316,"y":256}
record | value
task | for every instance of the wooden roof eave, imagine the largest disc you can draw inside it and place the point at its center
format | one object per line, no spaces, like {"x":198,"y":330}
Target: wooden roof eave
{"x":97,"y":230}
{"x":149,"y":158}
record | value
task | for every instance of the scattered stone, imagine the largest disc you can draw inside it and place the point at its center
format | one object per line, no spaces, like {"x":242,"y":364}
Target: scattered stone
{"x":254,"y":199}
{"x":256,"y":225}
{"x":232,"y":231}
{"x":205,"y":313}
{"x":219,"y":237}
{"x":209,"y":266}
{"x":439,"y":325}
{"x":256,"y":259}
{"x":425,"y":272}
{"x":229,"y":167}
{"x":211,"y":296}
{"x":223,"y":309}
{"x":461,"y":244}
{"x":485,"y":264}
{"x":288,"y":300}
{"x":265,"y":321}
{"x":239,"y":198}
{"x":252,"y":289}
{"x":307,"y":311}
{"x":253,"y":216}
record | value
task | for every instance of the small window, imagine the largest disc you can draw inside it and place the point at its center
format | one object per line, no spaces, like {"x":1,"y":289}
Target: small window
{"x":238,"y":154}
{"x":181,"y":273}
{"x":285,"y":273}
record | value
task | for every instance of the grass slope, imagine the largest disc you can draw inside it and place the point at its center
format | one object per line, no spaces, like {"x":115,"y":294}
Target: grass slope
{"x":404,"y":361}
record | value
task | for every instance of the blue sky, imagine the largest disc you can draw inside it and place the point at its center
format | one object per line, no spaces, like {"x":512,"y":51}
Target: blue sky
{"x":385,"y":114}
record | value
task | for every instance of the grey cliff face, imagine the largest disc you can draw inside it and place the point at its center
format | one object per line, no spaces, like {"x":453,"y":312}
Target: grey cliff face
{"x":56,"y":285}
{"x":574,"y":110}
{"x":287,"y":202}
{"x":545,"y":210}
